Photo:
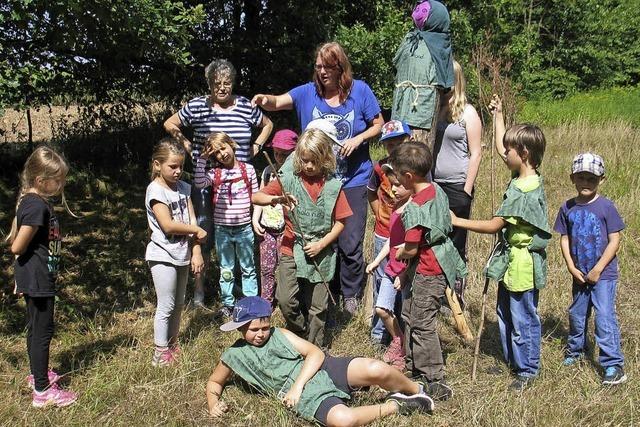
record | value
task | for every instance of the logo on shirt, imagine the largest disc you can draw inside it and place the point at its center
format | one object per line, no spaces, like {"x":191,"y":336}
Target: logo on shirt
{"x":344,"y":128}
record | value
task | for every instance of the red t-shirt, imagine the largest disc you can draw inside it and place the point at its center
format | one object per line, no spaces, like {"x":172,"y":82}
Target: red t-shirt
{"x":313,"y":186}
{"x":428,"y":264}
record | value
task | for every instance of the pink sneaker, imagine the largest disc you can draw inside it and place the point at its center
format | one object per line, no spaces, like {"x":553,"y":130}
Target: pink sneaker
{"x":394,"y":351}
{"x":53,"y":396}
{"x":175,"y":350}
{"x":162,"y":358}
{"x":53,"y":378}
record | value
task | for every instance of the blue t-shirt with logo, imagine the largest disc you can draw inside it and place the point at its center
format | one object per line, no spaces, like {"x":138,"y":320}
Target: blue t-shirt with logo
{"x":350,"y":118}
{"x":588,"y":226}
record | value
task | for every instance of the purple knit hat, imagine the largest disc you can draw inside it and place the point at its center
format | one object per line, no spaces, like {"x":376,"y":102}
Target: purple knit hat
{"x":421,"y":14}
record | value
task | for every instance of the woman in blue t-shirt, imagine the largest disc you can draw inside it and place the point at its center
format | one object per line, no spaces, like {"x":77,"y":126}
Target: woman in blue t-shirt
{"x":353,"y":108}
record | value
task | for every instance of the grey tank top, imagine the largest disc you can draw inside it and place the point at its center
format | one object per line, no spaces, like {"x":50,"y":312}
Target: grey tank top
{"x":451,"y":153}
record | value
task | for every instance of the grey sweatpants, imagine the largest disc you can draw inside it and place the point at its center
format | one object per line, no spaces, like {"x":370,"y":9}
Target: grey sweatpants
{"x":170,"y":282}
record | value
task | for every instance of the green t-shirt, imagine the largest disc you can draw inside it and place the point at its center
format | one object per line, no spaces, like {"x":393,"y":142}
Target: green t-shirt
{"x":519,"y":275}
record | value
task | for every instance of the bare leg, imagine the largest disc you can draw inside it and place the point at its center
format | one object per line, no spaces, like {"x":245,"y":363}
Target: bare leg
{"x":364,"y":372}
{"x":343,"y":416}
{"x":390,"y":322}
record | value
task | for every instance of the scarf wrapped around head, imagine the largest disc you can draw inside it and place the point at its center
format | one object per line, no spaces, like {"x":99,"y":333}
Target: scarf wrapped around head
{"x":436,"y":34}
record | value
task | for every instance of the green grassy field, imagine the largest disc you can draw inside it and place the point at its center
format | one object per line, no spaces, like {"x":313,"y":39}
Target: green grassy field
{"x":106,"y":305}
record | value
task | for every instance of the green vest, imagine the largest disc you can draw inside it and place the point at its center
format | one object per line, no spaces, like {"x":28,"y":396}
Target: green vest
{"x":530,"y":206}
{"x":274,"y":367}
{"x":434,"y":216}
{"x":414,"y":97}
{"x":314,"y":221}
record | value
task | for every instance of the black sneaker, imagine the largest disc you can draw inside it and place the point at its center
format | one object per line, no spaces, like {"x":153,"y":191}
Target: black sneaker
{"x":614,"y":375}
{"x":438,"y":390}
{"x":407,"y":404}
{"x":520,"y":383}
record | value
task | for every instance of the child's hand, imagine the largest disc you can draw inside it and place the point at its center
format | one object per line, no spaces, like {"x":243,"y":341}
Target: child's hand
{"x":314,"y":248}
{"x":206,"y":152}
{"x":454,"y":218}
{"x":397,"y":283}
{"x":201,"y":235}
{"x":399,"y":252}
{"x":197,"y":263}
{"x":259,"y":229}
{"x":593,"y":276}
{"x":577,"y":274}
{"x":292,"y":397}
{"x":496,"y":104}
{"x":219,"y":409}
{"x":371,"y":267}
{"x":287,"y":200}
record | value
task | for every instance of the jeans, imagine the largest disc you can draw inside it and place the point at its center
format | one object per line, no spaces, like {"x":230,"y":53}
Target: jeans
{"x":235,"y":242}
{"x":602,"y":297}
{"x":377,"y":327}
{"x":170,"y":282}
{"x":520,"y":330}
{"x":350,"y":257}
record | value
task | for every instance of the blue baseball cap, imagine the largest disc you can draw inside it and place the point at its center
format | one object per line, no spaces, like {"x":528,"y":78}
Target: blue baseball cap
{"x":246,"y":310}
{"x":394,"y":128}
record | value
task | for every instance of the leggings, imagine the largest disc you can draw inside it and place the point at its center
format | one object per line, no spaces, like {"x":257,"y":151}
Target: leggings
{"x":39,"y":333}
{"x":170,"y":282}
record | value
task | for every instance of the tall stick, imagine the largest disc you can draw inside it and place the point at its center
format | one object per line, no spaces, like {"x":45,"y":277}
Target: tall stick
{"x":296,"y":225}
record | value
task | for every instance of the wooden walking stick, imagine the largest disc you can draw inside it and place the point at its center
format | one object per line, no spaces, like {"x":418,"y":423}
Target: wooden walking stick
{"x":296,"y":225}
{"x":485,"y":290}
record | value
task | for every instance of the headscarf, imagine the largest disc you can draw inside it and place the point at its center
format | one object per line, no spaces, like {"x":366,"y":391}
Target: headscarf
{"x":437,"y":36}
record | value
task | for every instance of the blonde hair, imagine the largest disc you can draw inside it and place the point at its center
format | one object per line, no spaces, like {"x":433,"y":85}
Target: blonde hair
{"x":44,"y":163}
{"x":316,"y":143}
{"x":217,"y":140}
{"x":161,"y":152}
{"x":458,"y":100}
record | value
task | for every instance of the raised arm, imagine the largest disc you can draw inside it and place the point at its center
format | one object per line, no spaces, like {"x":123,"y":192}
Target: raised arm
{"x":273,"y":102}
{"x":173,"y":126}
{"x":498,"y":122}
{"x":215,"y":386}
{"x":313,"y":359}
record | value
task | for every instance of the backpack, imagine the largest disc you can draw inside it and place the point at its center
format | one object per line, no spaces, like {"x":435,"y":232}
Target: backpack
{"x":217,"y":180}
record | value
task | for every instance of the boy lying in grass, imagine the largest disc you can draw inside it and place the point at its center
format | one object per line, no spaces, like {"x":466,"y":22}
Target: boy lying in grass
{"x":280,"y":364}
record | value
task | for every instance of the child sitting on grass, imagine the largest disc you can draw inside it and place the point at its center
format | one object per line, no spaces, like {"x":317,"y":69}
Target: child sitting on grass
{"x":519,"y":261}
{"x":435,"y":263}
{"x":383,"y":201}
{"x":590,"y":227}
{"x":279,"y":364}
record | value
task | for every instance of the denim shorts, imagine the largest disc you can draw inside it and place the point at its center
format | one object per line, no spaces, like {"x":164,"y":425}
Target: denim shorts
{"x":387,"y":294}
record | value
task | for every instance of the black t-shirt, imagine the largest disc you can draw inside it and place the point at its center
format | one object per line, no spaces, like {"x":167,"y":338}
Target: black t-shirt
{"x":37,"y":268}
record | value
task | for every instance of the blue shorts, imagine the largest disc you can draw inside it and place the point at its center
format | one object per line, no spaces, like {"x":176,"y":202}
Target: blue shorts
{"x":387,"y":294}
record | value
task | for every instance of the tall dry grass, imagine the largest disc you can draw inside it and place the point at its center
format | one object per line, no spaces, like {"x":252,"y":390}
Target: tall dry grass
{"x":108,"y":353}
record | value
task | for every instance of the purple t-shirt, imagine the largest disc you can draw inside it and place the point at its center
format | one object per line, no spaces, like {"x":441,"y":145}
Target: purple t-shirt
{"x":350,"y":118}
{"x":588,"y":226}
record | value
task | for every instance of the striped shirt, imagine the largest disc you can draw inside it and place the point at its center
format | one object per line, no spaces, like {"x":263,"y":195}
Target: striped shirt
{"x":237,"y":122}
{"x":233,"y":204}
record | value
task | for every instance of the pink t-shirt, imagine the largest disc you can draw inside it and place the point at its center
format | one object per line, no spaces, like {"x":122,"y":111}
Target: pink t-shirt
{"x":396,"y":237}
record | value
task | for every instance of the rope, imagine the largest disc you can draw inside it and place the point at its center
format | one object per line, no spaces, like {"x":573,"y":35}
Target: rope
{"x":415,"y":87}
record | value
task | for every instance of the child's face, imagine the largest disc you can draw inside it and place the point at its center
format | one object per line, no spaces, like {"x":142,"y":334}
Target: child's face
{"x":281,"y":155}
{"x":310,"y":166}
{"x":391,"y":143}
{"x":171,"y":170}
{"x":224,"y":154}
{"x":53,"y":186}
{"x":257,"y":331}
{"x":514,"y":160}
{"x":586,"y":183}
{"x":400,"y":193}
